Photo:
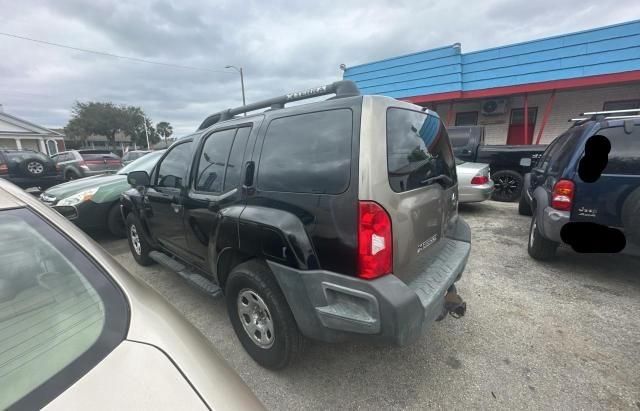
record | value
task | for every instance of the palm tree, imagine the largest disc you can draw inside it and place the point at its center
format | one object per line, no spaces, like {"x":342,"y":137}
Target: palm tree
{"x":165,"y":130}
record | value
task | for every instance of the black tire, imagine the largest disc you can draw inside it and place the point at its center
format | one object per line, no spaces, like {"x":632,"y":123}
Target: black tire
{"x":524,"y":208}
{"x":631,"y":217}
{"x":539,"y":247}
{"x":287,"y":342}
{"x":70,"y":175}
{"x":33,"y":167}
{"x":115,"y":223}
{"x":508,"y":185}
{"x":141,"y":255}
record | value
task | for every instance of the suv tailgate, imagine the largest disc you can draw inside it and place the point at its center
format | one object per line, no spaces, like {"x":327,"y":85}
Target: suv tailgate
{"x":420,"y":185}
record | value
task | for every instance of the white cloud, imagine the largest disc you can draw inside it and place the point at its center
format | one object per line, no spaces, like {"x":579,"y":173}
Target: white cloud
{"x":283,"y":46}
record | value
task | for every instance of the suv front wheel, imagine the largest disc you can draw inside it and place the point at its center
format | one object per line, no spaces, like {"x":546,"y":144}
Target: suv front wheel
{"x":539,"y":247}
{"x":261,"y":316}
{"x":138,"y":244}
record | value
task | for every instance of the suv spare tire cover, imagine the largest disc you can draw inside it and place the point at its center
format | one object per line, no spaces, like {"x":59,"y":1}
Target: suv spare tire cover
{"x":27,"y":166}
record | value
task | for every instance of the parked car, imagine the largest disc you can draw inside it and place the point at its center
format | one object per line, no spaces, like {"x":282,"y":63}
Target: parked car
{"x":342,"y":221}
{"x":27,"y":168}
{"x":508,"y":163}
{"x":133,"y":155}
{"x":76,"y":164}
{"x":73,"y":321}
{"x":474,"y":182}
{"x":94,"y":202}
{"x":585,"y":190}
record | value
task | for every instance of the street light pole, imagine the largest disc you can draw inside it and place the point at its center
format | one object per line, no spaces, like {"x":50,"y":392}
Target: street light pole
{"x":146,"y":133}
{"x":239,"y":70}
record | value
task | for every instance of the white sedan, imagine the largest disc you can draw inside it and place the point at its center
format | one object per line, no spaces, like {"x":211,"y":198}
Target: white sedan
{"x":474,"y":182}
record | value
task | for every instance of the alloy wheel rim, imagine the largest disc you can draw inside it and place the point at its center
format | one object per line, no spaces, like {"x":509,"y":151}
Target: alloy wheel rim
{"x":35,"y":168}
{"x":506,"y":184}
{"x":135,"y":239}
{"x":256,"y":318}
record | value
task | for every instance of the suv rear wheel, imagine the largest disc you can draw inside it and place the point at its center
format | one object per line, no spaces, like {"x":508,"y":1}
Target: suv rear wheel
{"x":71,"y":175}
{"x":261,"y":316}
{"x":539,"y":247}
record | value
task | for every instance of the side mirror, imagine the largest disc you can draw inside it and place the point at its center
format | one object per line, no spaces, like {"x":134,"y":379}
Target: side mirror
{"x":138,"y":179}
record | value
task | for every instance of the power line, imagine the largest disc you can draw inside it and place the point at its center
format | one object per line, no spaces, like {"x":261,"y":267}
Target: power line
{"x":103,"y":53}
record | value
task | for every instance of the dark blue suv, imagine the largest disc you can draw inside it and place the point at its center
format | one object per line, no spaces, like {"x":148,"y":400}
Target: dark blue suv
{"x":585,"y":189}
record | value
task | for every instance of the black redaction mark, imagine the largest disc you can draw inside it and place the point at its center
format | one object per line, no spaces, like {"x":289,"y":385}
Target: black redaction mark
{"x":596,"y":156}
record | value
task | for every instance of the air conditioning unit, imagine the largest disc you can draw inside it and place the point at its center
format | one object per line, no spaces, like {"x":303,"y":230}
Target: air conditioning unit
{"x":494,"y":107}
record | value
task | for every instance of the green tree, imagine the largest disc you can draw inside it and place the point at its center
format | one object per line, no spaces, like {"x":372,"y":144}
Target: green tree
{"x":104,"y":119}
{"x":164,"y":130}
{"x":107,"y":119}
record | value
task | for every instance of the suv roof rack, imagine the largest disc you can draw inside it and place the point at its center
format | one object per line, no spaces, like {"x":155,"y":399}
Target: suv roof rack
{"x":595,"y":113}
{"x":341,"y":89}
{"x":607,"y":115}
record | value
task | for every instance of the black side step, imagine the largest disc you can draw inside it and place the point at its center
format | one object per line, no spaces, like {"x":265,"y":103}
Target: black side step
{"x":195,"y":279}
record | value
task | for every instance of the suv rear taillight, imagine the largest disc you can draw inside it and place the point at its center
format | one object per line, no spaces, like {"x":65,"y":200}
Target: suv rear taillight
{"x":562,"y":196}
{"x":479,"y":180}
{"x":4,"y":169}
{"x":375,"y":244}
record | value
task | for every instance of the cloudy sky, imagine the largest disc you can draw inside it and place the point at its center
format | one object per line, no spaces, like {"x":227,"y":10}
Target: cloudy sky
{"x":282,"y":45}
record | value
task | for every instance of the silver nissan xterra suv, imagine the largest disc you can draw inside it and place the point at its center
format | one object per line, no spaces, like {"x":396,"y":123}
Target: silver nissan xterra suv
{"x":326,"y":220}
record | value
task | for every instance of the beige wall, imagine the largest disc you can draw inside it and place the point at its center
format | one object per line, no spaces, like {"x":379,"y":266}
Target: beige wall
{"x":568,"y":104}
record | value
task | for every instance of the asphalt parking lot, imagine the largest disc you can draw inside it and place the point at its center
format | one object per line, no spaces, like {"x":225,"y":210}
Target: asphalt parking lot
{"x":563,"y":334}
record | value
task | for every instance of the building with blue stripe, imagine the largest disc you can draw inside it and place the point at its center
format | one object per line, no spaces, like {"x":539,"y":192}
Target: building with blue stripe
{"x":541,"y":83}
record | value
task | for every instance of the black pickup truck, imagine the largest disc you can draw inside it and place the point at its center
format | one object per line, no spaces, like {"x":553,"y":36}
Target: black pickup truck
{"x":508,"y":163}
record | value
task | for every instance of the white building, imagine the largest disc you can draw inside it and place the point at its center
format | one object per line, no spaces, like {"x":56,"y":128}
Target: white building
{"x":16,"y":133}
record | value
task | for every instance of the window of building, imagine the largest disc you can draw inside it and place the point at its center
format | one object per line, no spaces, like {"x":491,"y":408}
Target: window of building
{"x":417,"y":150}
{"x":308,"y":153}
{"x":468,"y":118}
{"x":621,"y":105}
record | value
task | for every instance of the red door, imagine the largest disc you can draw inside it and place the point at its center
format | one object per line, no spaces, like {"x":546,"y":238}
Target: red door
{"x":516,"y":126}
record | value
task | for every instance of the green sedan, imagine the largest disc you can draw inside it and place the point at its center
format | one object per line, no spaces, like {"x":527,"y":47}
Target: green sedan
{"x":94,"y":202}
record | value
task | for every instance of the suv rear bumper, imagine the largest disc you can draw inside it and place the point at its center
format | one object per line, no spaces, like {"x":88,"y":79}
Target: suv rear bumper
{"x":332,"y":307}
{"x":552,"y":221}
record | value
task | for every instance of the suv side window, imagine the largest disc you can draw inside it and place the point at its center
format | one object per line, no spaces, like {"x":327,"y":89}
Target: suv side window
{"x":220,"y":161}
{"x":624,"y":157}
{"x":173,"y":169}
{"x":308,"y":153}
{"x":417,"y":150}
{"x":557,"y":156}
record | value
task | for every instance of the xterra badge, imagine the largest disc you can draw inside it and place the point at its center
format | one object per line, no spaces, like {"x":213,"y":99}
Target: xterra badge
{"x":427,"y":243}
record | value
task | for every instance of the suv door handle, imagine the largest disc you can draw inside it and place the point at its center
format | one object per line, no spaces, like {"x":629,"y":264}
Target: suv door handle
{"x":176,"y":207}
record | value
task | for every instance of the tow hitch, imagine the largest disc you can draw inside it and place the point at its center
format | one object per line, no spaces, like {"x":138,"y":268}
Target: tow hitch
{"x":453,"y":304}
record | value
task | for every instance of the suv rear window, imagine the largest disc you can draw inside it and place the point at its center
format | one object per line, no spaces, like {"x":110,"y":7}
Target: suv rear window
{"x":308,"y":153}
{"x":21,"y":155}
{"x":624,"y":157}
{"x":101,"y":156}
{"x":417,"y":150}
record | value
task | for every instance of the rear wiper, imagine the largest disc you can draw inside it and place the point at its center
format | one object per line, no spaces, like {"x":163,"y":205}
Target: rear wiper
{"x":442,"y":177}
